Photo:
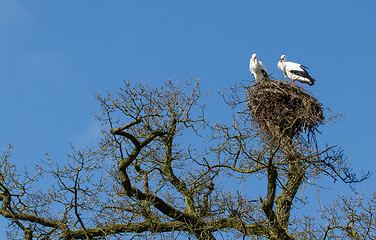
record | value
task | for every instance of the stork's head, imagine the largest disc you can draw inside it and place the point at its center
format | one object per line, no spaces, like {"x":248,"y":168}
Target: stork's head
{"x":254,"y":56}
{"x":283,"y":58}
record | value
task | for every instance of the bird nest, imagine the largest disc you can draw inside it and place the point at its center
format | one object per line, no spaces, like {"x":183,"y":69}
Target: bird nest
{"x":281,"y":109}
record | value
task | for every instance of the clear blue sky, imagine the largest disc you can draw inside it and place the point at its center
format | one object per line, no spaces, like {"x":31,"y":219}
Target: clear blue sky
{"x":55,"y":54}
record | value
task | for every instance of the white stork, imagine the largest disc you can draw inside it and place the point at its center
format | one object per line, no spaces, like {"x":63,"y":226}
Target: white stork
{"x":258,"y":69}
{"x":295,"y":71}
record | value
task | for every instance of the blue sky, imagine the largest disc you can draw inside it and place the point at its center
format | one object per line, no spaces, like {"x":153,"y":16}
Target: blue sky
{"x":54,"y":55}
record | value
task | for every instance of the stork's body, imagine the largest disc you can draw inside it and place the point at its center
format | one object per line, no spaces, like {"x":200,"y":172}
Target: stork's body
{"x":295,"y":71}
{"x":258,"y":69}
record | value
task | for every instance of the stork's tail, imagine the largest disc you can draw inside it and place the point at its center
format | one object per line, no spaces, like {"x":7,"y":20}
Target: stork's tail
{"x":312,"y":81}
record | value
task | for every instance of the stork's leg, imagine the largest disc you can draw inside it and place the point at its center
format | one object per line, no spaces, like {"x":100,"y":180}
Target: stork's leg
{"x":293,"y":83}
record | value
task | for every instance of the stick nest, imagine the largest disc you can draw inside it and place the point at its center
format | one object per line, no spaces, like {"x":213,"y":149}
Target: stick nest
{"x":281,"y":109}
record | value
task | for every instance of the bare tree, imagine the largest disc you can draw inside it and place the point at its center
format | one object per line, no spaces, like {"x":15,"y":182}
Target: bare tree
{"x":163,"y":169}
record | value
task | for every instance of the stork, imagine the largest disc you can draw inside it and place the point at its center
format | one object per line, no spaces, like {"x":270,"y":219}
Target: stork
{"x":295,"y":71}
{"x":258,"y":69}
